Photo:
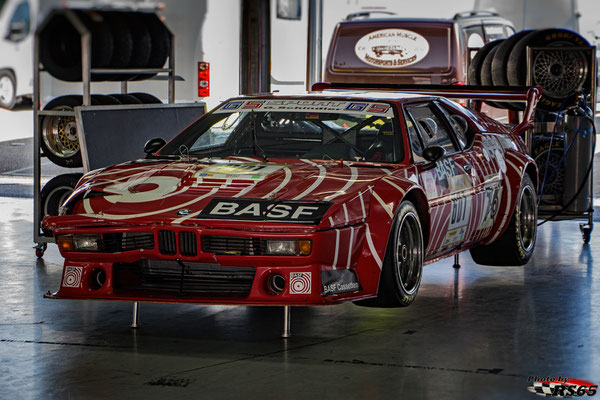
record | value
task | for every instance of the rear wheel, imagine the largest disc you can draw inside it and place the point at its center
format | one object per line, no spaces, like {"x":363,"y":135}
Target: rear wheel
{"x":515,"y":246}
{"x":403,"y":263}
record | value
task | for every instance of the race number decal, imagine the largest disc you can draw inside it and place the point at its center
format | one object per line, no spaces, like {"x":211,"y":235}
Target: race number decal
{"x":459,"y":218}
{"x":491,"y":203}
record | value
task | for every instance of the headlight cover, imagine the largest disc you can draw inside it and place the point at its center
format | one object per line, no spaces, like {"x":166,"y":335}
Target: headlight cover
{"x":288,"y":247}
{"x":84,"y":242}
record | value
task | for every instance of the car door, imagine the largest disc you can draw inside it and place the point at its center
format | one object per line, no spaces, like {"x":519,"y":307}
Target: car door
{"x":488,"y":167}
{"x":450,"y":183}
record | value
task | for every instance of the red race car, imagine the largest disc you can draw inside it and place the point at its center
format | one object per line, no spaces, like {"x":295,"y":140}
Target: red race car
{"x":330,"y":196}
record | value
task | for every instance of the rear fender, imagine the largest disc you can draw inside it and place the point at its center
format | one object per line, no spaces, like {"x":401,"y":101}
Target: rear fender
{"x":517,"y":165}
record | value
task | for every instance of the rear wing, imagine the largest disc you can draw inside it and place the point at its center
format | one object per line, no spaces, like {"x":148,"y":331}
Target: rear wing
{"x":529,"y":95}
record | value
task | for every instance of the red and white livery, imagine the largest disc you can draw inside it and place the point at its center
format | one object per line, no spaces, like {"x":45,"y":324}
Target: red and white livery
{"x":312,"y":199}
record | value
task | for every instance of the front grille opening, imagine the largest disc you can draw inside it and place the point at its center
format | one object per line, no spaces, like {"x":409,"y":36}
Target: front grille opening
{"x":116,"y":242}
{"x":232,"y":245}
{"x":187,"y":243}
{"x":168,"y":277}
{"x":167,"y":243}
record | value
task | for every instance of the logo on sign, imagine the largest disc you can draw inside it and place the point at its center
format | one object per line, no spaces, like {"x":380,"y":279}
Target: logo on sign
{"x":300,"y":283}
{"x":391,"y":48}
{"x":72,"y":277}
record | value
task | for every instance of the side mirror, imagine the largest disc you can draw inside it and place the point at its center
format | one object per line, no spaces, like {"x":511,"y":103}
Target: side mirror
{"x":153,"y":145}
{"x":17,"y":31}
{"x":433,"y":153}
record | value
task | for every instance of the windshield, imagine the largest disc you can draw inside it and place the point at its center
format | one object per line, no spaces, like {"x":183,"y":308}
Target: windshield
{"x":299,"y":129}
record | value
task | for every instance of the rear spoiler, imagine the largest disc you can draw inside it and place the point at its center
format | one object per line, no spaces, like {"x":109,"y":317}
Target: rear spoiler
{"x":530,"y":95}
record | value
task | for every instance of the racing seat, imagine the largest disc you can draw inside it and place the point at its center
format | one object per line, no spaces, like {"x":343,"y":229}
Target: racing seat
{"x":382,"y":148}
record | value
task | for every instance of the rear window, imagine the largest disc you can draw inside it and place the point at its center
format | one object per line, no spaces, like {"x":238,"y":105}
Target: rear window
{"x":402,"y":46}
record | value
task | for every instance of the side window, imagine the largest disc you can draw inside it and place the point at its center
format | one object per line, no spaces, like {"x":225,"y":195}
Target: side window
{"x":509,"y":30}
{"x":462,"y":130}
{"x":432,"y":128}
{"x":20,"y":23}
{"x":416,"y":144}
{"x":493,"y":32}
{"x":474,"y":37}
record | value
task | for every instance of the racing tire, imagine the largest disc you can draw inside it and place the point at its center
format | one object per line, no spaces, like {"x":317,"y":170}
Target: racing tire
{"x":54,"y":193}
{"x":550,"y":168}
{"x":515,"y":246}
{"x":146,"y":98}
{"x":403,"y":262}
{"x":499,"y":63}
{"x":8,"y":89}
{"x":60,"y":142}
{"x":559,"y":73}
{"x":142,"y":41}
{"x":161,"y":43}
{"x":126,"y":98}
{"x":60,"y":47}
{"x":123,"y":44}
{"x":477,"y":61}
{"x":485,"y":73}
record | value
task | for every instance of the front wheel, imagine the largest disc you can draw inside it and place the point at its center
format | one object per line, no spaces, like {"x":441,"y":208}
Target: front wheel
{"x":516,"y":244}
{"x":403,"y":263}
{"x":8,"y":90}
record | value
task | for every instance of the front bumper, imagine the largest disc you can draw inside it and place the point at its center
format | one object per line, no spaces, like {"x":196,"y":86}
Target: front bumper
{"x":206,"y":277}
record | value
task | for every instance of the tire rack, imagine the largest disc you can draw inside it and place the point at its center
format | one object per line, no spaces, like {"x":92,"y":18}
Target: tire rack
{"x":86,"y":62}
{"x":549,"y":210}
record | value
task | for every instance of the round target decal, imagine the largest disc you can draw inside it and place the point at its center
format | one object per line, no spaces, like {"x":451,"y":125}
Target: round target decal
{"x":300,"y":283}
{"x":72,"y":277}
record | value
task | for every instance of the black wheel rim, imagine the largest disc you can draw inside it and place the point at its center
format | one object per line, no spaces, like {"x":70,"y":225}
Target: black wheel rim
{"x":408,"y":253}
{"x":527,"y":218}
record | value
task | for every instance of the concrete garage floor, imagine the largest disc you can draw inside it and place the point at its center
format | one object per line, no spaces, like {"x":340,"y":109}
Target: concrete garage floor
{"x":475,"y":333}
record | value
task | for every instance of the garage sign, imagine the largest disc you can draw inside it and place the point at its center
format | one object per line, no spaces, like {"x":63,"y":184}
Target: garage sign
{"x":391,"y":48}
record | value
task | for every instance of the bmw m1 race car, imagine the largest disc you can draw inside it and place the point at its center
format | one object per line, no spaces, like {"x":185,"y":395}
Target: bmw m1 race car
{"x":319,"y":198}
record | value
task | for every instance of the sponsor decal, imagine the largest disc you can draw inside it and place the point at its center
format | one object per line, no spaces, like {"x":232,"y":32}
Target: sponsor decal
{"x":72,"y":277}
{"x":459,"y":217}
{"x":250,"y":172}
{"x":559,"y":386}
{"x":391,"y":48}
{"x":309,"y":106}
{"x":445,"y":169}
{"x":302,"y":212}
{"x":338,"y":281}
{"x":300,"y":283}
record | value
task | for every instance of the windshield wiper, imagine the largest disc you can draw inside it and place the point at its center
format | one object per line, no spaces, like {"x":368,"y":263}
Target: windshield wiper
{"x":255,"y":139}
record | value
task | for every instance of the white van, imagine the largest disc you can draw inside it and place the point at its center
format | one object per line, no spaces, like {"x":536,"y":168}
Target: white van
{"x":17,"y":24}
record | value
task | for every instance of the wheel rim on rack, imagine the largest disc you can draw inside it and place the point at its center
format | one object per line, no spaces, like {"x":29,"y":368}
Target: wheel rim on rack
{"x":560,"y":73}
{"x":60,"y":134}
{"x":408,"y":253}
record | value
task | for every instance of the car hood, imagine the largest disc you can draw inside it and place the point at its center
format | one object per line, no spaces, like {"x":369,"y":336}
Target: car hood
{"x":179,"y":192}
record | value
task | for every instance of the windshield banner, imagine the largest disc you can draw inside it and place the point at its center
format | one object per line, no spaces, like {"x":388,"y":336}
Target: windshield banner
{"x":316,"y":106}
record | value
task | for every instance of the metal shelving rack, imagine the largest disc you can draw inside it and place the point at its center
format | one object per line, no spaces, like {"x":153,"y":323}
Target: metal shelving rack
{"x":556,"y":212}
{"x":87,"y":71}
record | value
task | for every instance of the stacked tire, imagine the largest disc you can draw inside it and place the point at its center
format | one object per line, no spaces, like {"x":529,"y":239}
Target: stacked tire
{"x":119,"y":40}
{"x":561,"y":73}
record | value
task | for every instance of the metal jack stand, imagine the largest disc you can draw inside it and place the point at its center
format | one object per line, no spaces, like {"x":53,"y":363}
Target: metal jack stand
{"x":135,"y":320}
{"x":286,"y":322}
{"x":456,"y":261}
